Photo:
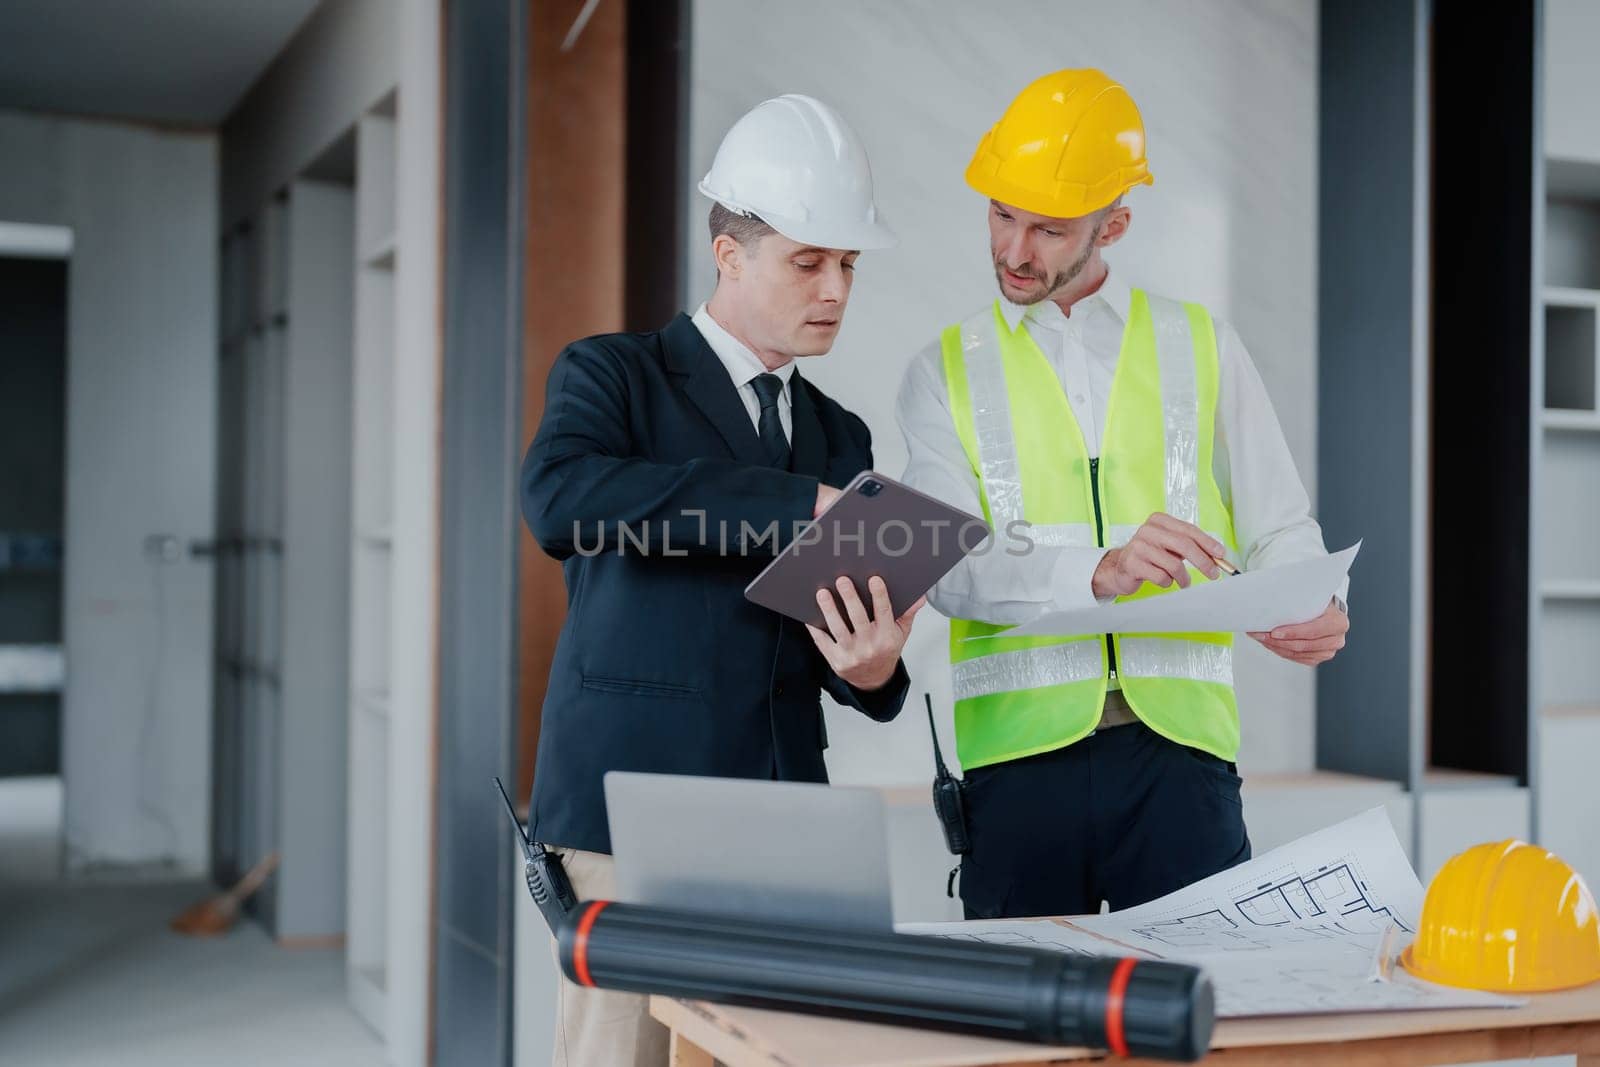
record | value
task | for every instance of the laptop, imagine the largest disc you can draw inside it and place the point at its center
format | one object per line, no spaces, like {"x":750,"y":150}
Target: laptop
{"x":784,"y":851}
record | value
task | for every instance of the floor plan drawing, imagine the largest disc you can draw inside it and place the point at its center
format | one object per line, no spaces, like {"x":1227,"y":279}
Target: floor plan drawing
{"x":1327,"y":903}
{"x":1343,"y":885}
{"x":1335,"y":892}
{"x":1299,"y":930}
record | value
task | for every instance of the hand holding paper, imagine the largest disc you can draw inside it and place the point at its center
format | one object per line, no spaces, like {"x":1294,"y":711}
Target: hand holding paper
{"x":1255,"y":601}
{"x":1311,"y":642}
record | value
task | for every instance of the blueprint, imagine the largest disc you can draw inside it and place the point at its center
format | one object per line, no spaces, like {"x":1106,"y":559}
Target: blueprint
{"x":1326,"y":982}
{"x":1340,"y":886}
{"x":1309,"y":928}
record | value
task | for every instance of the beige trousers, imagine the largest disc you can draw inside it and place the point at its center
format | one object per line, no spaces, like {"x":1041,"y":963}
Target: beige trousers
{"x":597,"y":1027}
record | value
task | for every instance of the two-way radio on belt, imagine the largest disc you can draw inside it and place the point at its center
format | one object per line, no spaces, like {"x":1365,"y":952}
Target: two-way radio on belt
{"x":949,"y":803}
{"x":547,"y":879}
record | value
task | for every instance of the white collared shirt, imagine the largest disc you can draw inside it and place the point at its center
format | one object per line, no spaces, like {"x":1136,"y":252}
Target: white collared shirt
{"x":1271,"y":513}
{"x":744,"y":367}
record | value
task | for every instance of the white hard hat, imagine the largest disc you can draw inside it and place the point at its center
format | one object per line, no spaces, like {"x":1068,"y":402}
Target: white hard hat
{"x":797,"y":164}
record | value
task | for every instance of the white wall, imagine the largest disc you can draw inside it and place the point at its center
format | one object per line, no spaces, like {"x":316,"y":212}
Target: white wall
{"x":141,"y":433}
{"x":1228,"y":93}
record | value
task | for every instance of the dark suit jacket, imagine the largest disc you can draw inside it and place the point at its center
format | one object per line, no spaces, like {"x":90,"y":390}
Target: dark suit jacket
{"x":662,"y":664}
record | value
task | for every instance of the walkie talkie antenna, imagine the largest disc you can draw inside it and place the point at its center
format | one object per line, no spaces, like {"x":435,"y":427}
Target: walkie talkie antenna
{"x":547,"y":880}
{"x":938,"y":756}
{"x":527,"y":846}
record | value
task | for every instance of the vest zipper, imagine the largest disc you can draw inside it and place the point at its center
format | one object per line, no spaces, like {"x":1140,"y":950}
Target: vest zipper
{"x":1100,"y":539}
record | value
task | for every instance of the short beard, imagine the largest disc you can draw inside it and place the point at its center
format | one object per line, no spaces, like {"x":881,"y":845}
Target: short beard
{"x":1063,"y":278}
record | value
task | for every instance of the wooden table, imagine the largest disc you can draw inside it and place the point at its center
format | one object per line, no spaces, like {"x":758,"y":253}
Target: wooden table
{"x":1552,"y":1024}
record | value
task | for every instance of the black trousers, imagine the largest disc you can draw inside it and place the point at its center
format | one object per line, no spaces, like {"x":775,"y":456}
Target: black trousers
{"x":1123,"y":816}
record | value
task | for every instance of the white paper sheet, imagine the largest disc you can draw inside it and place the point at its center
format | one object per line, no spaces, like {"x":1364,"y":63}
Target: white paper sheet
{"x":1251,"y":601}
{"x":1297,"y":931}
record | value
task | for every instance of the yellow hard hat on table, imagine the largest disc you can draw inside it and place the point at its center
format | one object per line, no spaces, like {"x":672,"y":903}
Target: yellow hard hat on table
{"x":1069,"y":145}
{"x":1507,"y":917}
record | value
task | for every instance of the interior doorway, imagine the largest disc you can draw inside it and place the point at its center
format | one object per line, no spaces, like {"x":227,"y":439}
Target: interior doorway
{"x":33,"y":378}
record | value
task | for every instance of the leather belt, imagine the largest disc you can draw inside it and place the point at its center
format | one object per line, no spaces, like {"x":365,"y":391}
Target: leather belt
{"x":1116,"y":713}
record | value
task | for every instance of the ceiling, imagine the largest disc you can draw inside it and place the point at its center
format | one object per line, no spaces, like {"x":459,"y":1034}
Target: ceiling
{"x":185,"y":62}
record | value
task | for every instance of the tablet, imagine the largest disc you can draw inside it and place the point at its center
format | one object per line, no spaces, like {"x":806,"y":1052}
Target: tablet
{"x":877,"y":526}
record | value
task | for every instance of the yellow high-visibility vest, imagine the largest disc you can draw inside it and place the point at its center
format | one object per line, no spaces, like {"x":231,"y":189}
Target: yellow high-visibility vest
{"x":1018,"y":696}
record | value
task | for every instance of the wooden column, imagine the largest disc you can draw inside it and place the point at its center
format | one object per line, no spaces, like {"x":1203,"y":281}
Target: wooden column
{"x":574,"y":272}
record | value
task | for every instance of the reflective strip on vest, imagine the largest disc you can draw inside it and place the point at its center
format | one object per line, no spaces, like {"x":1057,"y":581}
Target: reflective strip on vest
{"x":997,"y":453}
{"x":1180,"y":406}
{"x":1180,"y":412}
{"x":1165,"y":657}
{"x":1029,"y":668}
{"x":991,"y":421}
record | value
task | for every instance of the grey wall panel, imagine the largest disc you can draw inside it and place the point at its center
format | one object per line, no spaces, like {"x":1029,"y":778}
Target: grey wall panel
{"x":316,"y":561}
{"x":1366,"y":458}
{"x":473,"y":1030}
{"x":479,"y":525}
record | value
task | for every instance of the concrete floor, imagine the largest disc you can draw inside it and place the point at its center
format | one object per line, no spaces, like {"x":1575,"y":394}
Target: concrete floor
{"x":90,"y":974}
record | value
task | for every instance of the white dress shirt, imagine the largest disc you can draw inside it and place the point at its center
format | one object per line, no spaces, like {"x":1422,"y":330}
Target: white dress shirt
{"x":744,"y":367}
{"x":1271,"y":513}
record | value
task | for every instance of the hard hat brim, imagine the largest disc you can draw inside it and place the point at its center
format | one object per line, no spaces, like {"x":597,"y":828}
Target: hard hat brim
{"x":1064,"y":204}
{"x":858,"y":237}
{"x":861,"y":236}
{"x":1429,"y":971}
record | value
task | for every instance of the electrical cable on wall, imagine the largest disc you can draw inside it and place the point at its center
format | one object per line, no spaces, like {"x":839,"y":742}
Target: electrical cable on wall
{"x":153,"y":810}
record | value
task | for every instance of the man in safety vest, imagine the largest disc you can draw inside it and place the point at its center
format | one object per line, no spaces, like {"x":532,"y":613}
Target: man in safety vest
{"x":1133,"y":437}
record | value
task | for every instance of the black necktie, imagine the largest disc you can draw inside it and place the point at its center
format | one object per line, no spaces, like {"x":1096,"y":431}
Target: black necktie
{"x":768,"y":388}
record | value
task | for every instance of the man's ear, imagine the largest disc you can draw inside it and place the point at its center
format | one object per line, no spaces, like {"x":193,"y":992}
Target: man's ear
{"x":729,"y":255}
{"x":1116,"y":224}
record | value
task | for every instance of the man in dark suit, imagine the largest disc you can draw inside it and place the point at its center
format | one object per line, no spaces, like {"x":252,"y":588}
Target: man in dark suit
{"x":667,"y":471}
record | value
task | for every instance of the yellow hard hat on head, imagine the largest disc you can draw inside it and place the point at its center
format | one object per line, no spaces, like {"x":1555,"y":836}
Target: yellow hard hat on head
{"x":1507,"y":917}
{"x":1069,"y":144}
